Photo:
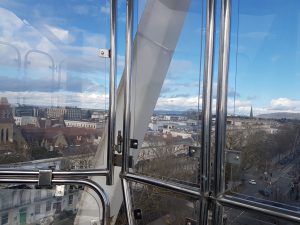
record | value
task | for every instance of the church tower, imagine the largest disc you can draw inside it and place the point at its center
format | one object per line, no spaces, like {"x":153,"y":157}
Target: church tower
{"x":6,"y":122}
{"x":251,"y":113}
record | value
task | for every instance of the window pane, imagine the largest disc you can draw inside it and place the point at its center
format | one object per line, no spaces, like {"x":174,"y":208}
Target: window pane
{"x":167,"y":77}
{"x":53,"y":85}
{"x":160,"y":206}
{"x":57,"y":208}
{"x":240,"y":217}
{"x":263,"y":101}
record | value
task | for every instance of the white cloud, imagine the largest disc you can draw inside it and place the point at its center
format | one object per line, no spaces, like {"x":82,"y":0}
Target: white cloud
{"x":179,"y":68}
{"x":81,"y":10}
{"x":83,"y":100}
{"x":177,"y":103}
{"x":242,"y":107}
{"x":255,"y":35}
{"x":26,"y":37}
{"x":105,"y":9}
{"x":285,"y":104}
{"x":94,"y":40}
{"x":62,"y":34}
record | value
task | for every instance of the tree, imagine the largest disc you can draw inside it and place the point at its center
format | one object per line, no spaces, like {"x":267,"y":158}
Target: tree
{"x":43,"y":153}
{"x":164,"y":160}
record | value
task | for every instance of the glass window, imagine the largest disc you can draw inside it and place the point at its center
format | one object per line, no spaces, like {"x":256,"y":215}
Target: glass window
{"x":37,"y":209}
{"x":167,"y":74}
{"x":65,"y":208}
{"x":53,"y":81}
{"x":240,"y":217}
{"x":48,"y":206}
{"x":160,"y":206}
{"x":37,"y":195}
{"x":4,"y":218}
{"x":263,"y":101}
{"x":23,"y":197}
{"x":49,"y":193}
{"x":70,"y":201}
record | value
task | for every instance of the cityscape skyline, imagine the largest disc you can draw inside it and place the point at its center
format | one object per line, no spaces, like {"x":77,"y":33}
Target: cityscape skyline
{"x":83,"y":79}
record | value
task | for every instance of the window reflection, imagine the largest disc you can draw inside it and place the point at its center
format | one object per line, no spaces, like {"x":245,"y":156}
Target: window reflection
{"x":239,"y":217}
{"x":23,"y":204}
{"x":54,"y":87}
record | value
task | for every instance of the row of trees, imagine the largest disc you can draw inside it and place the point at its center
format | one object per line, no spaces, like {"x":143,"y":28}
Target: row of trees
{"x":262,"y":149}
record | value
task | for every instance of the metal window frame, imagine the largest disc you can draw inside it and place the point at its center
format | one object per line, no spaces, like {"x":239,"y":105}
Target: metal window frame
{"x":202,"y":193}
{"x":127,"y":109}
{"x":108,"y":171}
{"x":80,"y":176}
{"x":112,"y":92}
{"x":221,"y":111}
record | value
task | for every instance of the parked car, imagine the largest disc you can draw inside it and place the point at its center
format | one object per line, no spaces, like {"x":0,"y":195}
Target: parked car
{"x":252,"y":182}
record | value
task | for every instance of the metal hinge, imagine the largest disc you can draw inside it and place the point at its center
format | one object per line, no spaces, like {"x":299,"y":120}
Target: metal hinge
{"x":104,"y":53}
{"x":118,"y":147}
{"x":45,"y":178}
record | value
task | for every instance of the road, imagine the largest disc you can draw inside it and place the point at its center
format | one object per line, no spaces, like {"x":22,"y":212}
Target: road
{"x":280,"y":186}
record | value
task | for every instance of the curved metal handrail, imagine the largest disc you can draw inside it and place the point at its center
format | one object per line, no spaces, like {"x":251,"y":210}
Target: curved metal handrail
{"x":16,"y":50}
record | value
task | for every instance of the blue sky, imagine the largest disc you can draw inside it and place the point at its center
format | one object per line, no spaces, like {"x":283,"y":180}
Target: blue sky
{"x":267,"y":56}
{"x":71,"y":31}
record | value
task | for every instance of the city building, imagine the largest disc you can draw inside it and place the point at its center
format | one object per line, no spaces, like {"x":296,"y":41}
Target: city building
{"x":64,"y":112}
{"x":6,"y":122}
{"x":217,"y":80}
{"x":84,"y":124}
{"x":25,"y":110}
{"x":22,"y":204}
{"x":26,"y":121}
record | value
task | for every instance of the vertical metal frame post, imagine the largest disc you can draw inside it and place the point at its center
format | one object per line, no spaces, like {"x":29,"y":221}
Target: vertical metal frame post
{"x":112,"y":91}
{"x":126,"y":115}
{"x":127,"y":92}
{"x":127,"y":201}
{"x":207,"y":97}
{"x":219,"y":170}
{"x":206,"y":106}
